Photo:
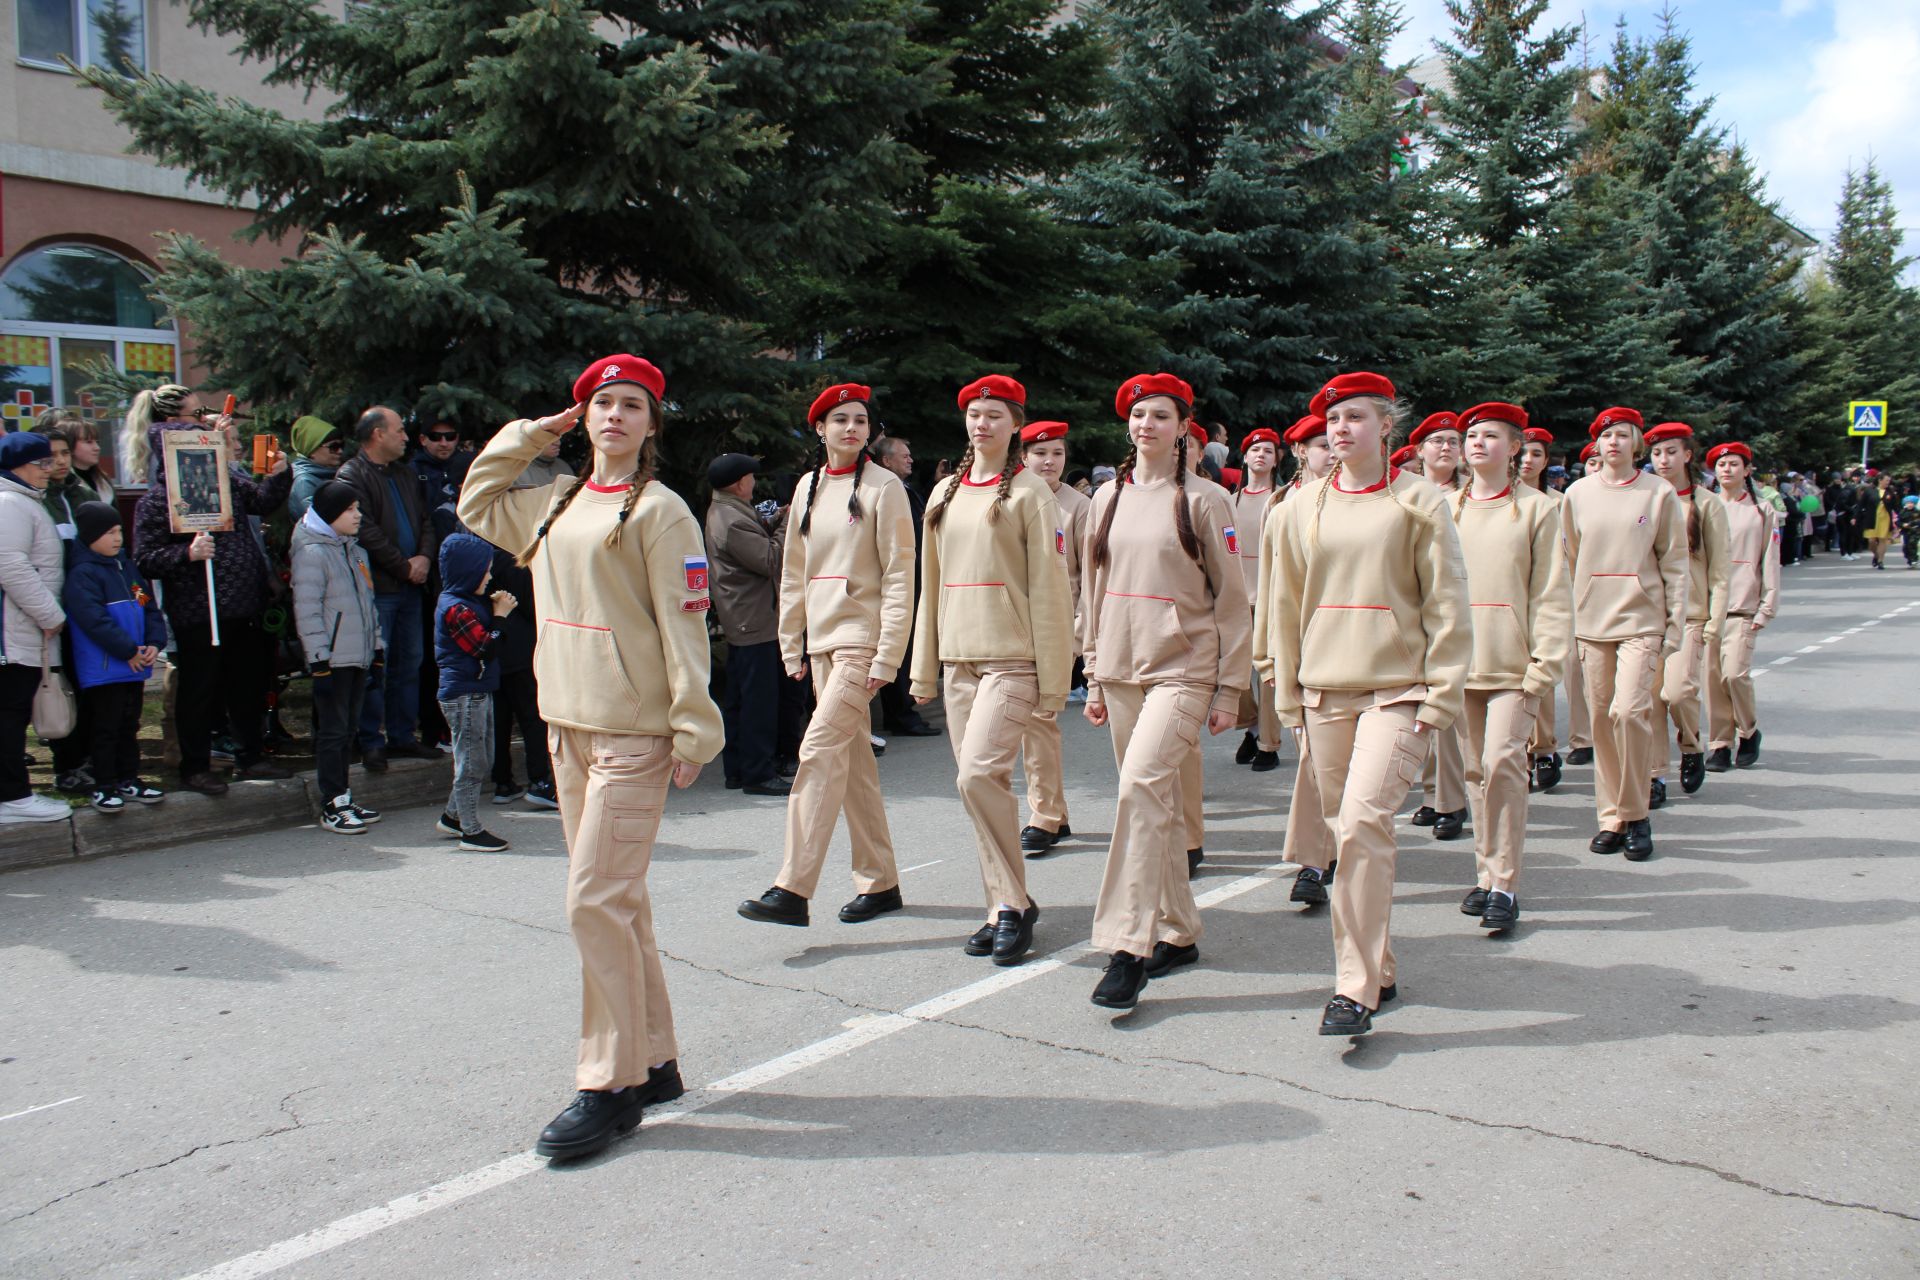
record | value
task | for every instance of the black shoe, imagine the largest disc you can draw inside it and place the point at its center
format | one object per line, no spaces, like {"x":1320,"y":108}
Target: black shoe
{"x":1608,"y":842}
{"x":1448,"y":826}
{"x":1345,"y":1017}
{"x":205,"y":782}
{"x":1580,"y":755}
{"x":1640,"y":840}
{"x":981,"y":943}
{"x":1693,"y":771}
{"x":374,"y":760}
{"x":1719,"y":760}
{"x":1266,"y":761}
{"x":866,"y":906}
{"x":1035,"y":841}
{"x":1749,"y":750}
{"x":1502,"y":913}
{"x":1546,"y":771}
{"x":413,"y":751}
{"x":663,"y":1084}
{"x":507,"y":792}
{"x":1120,"y":987}
{"x":914,"y":728}
{"x":261,"y":771}
{"x":1310,"y":886}
{"x":594,"y":1119}
{"x":1388,"y":993}
{"x":774,"y":786}
{"x":1013,"y":934}
{"x":1657,"y":794}
{"x":1248,"y":746}
{"x":787,"y":768}
{"x":776,"y":906}
{"x":1194,"y":858}
{"x":1064,"y":833}
{"x":1167,"y":957}
{"x":1425,"y":816}
{"x":1475,"y":903}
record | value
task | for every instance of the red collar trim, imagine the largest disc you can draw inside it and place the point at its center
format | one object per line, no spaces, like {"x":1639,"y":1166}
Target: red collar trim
{"x":1504,"y":493}
{"x":1256,"y":492}
{"x":989,"y":482}
{"x":1686,"y":492}
{"x":1619,"y":484}
{"x":843,"y":471}
{"x":1393,"y":473}
{"x":608,"y":488}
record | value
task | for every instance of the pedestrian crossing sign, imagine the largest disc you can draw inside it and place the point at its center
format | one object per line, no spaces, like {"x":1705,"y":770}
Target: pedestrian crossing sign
{"x":1867,"y":418}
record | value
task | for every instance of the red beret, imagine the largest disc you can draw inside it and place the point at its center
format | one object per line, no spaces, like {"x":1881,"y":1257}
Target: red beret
{"x":1586,"y":452}
{"x":1610,"y":416}
{"x":1433,"y":423}
{"x":1198,"y":432}
{"x":1539,"y":435}
{"x":994,"y":386}
{"x":611,"y":369}
{"x":1495,"y":411}
{"x":1231,"y":477}
{"x":1306,"y":429}
{"x":1668,"y":431}
{"x":1348,"y":385}
{"x":1402,"y":456}
{"x":1720,"y":451}
{"x":1142,"y":385}
{"x":844,"y":393}
{"x":1035,"y":432}
{"x":1261,"y":435}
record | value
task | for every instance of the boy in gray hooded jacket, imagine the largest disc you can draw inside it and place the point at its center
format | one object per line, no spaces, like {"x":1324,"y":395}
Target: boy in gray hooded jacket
{"x":340,"y":634}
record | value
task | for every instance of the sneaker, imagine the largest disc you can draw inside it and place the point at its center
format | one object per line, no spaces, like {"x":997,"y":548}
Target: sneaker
{"x":1121,"y":985}
{"x":105,"y":801}
{"x":879,"y":744}
{"x":1344,"y":1017}
{"x":34,"y":808}
{"x":140,"y":793}
{"x":541,"y":795}
{"x":1168,"y":956}
{"x":1080,"y":695}
{"x":341,"y":819}
{"x":507,"y":792}
{"x":366,"y":815}
{"x":448,"y":826}
{"x":76,"y":781}
{"x":1310,"y":886}
{"x":483,"y":842}
{"x":223,"y":748}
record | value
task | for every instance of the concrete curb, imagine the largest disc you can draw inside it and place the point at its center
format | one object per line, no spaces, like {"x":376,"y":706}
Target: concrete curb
{"x":247,"y":808}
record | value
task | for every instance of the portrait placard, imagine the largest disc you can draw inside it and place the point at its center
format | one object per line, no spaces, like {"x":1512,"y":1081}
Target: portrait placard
{"x":199,"y":490}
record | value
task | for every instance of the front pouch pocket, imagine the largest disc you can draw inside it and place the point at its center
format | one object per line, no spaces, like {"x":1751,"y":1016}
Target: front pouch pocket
{"x":1609,"y":599}
{"x":582,"y":680}
{"x":826,"y":606}
{"x":1356,"y":646}
{"x":978,"y":621}
{"x":1140,"y":638}
{"x":1499,"y":643}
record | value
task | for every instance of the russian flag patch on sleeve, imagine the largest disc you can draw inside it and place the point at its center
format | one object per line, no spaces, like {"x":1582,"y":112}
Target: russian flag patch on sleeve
{"x":696,"y":570}
{"x":1233,"y":540}
{"x":1060,"y":541}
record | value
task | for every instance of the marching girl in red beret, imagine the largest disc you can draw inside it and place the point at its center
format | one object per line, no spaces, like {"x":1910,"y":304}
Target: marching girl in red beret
{"x":1676,"y":694}
{"x":1443,"y":784}
{"x":1260,"y":459}
{"x":1167,"y":649}
{"x":1753,"y":597}
{"x":1626,"y":539}
{"x":620,"y":574}
{"x":1522,"y":613}
{"x":1547,"y":763}
{"x":846,"y":608}
{"x":994,"y":632}
{"x":1370,"y":644}
{"x":1043,"y":448}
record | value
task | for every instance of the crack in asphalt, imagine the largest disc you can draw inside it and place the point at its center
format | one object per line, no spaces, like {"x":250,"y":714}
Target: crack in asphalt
{"x":286,"y":1109}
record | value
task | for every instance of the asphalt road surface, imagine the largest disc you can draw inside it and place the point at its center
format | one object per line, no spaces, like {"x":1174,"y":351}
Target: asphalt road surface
{"x":323,"y":1057}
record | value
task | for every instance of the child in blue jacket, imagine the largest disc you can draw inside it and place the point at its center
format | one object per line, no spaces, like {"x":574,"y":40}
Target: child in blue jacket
{"x":118,"y":631}
{"x":466,"y":639}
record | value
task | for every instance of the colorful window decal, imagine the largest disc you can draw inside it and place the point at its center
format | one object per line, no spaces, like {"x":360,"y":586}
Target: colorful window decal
{"x":149,"y":357}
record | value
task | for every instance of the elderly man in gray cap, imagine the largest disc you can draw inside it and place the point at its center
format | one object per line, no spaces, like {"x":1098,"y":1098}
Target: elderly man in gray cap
{"x":744,"y":580}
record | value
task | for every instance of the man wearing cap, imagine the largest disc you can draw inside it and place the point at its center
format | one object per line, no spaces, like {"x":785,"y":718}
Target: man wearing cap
{"x":30,"y":615}
{"x":745,"y":589}
{"x":319,"y":447}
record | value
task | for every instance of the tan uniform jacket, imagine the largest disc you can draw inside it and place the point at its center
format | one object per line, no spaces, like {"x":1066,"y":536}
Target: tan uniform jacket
{"x":1517,"y":585}
{"x":1754,"y":561}
{"x":849,"y":583}
{"x":1628,"y":545}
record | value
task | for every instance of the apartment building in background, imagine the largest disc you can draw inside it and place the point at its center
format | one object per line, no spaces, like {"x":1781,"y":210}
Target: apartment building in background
{"x":80,"y":215}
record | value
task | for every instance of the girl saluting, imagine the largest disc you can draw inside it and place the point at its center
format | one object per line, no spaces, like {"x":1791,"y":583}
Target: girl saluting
{"x":1370,"y":646}
{"x":620,"y":573}
{"x":995,"y":633}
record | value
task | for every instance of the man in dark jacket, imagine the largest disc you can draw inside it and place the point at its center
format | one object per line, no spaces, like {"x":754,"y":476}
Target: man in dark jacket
{"x":400,"y":542}
{"x":901,"y":717}
{"x":745,"y":585}
{"x":518,"y":698}
{"x":441,"y":464}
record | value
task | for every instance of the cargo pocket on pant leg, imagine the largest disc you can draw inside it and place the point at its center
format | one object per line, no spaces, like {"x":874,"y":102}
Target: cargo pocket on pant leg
{"x":1182,"y":735}
{"x":628,"y":789}
{"x":1015,"y":699}
{"x":1404,"y":765}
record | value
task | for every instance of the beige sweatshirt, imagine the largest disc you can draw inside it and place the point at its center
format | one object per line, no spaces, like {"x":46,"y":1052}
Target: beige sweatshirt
{"x":1377,"y":603}
{"x":1517,"y":586}
{"x":1074,"y":506}
{"x":995,"y":592}
{"x":1708,"y":569}
{"x":848,"y":584}
{"x":1753,"y":589}
{"x":621,"y":635}
{"x":1250,"y":524}
{"x":1153,"y":615}
{"x":1628,"y":546}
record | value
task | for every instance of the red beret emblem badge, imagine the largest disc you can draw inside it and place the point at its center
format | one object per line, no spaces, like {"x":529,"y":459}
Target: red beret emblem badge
{"x":844,"y":393}
{"x":612,"y":371}
{"x":1139,"y":389}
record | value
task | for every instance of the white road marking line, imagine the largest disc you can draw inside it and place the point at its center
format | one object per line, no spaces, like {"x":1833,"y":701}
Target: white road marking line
{"x":45,"y":1106}
{"x":1831,"y":640}
{"x":923,"y":866}
{"x":1853,"y":631}
{"x":1812,"y":648}
{"x":359,"y":1226}
{"x":1757,"y":673}
{"x":1781,"y":662}
{"x":1871,"y":622}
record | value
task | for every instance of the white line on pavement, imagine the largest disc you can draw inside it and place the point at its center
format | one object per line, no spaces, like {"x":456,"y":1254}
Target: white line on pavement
{"x":45,"y":1106}
{"x":1812,"y":648}
{"x":1781,"y":662}
{"x":415,"y":1204}
{"x":923,"y":866}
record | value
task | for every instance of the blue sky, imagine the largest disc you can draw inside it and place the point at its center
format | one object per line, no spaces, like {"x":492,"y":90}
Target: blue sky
{"x":1809,"y":86}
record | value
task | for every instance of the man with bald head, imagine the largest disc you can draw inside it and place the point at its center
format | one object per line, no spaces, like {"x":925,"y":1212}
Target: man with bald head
{"x":399,"y":541}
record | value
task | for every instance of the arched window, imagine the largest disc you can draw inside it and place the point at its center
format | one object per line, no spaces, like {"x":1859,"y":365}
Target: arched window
{"x":66,"y":309}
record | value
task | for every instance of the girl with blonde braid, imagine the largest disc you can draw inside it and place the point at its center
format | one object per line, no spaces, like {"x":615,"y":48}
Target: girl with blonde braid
{"x":994,"y":633}
{"x":1167,"y":631}
{"x":1753,"y":597}
{"x":1676,"y":693}
{"x":1436,"y":446}
{"x":846,"y":607}
{"x":1370,"y":645}
{"x":620,"y":574}
{"x":1522,"y":610}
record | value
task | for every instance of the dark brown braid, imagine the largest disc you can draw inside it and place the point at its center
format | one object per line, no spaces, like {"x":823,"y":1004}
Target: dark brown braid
{"x":1183,"y":514}
{"x":525,"y":558}
{"x":1119,"y":483}
{"x":937,"y":509}
{"x":1007,"y":470}
{"x":1696,"y":478}
{"x":813,"y":490}
{"x":853,"y":496}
